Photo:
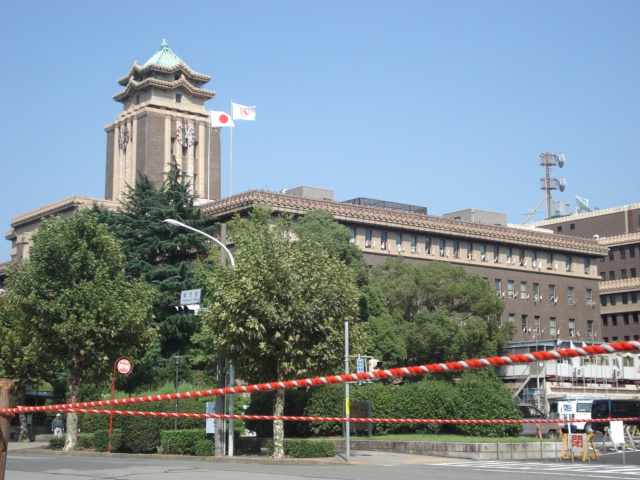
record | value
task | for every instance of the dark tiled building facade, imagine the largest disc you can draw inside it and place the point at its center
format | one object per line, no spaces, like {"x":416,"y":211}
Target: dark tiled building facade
{"x":618,"y":229}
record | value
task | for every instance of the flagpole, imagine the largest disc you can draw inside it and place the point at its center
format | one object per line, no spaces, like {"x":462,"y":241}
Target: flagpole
{"x":231,"y":151}
{"x":209,"y":162}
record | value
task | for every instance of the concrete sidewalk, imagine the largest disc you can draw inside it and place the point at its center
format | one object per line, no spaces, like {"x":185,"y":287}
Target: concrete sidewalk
{"x":26,"y":445}
{"x":40,"y":447}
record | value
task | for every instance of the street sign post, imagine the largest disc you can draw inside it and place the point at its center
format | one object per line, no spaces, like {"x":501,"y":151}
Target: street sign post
{"x":360,"y":365}
{"x":190,"y":297}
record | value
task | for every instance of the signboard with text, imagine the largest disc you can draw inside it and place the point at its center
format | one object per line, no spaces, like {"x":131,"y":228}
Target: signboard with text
{"x":190,"y":297}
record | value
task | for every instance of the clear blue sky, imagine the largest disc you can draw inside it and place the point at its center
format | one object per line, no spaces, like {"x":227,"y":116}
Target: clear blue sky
{"x":444,"y":104}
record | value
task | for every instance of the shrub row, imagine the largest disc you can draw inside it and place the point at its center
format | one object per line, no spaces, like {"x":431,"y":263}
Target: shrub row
{"x":246,"y":445}
{"x":93,"y":423}
{"x":477,"y":395}
{"x":175,"y":442}
{"x":181,"y":442}
{"x":84,"y":441}
{"x":306,"y":448}
{"x":101,"y":440}
{"x":56,"y":443}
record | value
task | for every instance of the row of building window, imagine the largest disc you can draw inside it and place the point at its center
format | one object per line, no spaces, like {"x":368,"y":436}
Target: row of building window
{"x":623,"y":251}
{"x":461,"y":250}
{"x":615,"y":339}
{"x":534,"y":326}
{"x":625,"y":319}
{"x":536,"y":293}
{"x":615,"y":298}
{"x":623,"y":274}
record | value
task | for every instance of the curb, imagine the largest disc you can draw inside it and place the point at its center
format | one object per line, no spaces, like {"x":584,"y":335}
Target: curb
{"x":189,"y":458}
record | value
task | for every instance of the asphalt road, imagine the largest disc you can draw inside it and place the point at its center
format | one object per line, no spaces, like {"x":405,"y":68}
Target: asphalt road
{"x":26,"y":465}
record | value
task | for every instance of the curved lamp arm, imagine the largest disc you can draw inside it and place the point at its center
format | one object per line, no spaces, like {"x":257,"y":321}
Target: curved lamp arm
{"x":173,"y":224}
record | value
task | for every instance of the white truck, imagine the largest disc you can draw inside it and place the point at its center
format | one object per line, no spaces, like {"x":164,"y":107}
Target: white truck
{"x":571,"y":409}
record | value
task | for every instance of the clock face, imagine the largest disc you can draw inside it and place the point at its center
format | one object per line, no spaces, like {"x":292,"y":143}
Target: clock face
{"x":123,"y":138}
{"x":185,"y":134}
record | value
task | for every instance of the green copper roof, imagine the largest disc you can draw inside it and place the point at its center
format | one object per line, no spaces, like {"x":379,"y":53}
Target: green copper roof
{"x":164,"y":56}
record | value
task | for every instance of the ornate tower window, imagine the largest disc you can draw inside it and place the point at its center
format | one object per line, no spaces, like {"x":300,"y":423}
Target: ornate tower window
{"x":123,"y":137}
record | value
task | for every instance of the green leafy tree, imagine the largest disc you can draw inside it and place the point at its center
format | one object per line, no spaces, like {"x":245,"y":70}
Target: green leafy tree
{"x":75,"y":310}
{"x":162,"y":258}
{"x":445,"y":313}
{"x":21,"y":355}
{"x":384,"y":340}
{"x":280,"y":313}
{"x":320,"y":227}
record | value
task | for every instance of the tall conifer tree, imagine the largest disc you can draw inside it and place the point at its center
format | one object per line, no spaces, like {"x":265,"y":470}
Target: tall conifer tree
{"x":162,"y":258}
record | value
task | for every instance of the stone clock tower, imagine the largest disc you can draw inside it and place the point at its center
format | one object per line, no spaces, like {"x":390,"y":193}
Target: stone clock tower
{"x":163,"y":116}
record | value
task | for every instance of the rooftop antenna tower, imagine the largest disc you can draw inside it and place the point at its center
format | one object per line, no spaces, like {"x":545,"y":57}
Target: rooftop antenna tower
{"x":549,"y":183}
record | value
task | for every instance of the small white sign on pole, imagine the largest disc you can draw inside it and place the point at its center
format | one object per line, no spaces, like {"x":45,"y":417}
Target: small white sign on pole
{"x":360,"y":365}
{"x":211,"y":422}
{"x":617,"y":433}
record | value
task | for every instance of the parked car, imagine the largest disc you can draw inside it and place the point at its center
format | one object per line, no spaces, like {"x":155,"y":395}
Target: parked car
{"x":571,"y":409}
{"x":611,"y":409}
{"x":529,"y":412}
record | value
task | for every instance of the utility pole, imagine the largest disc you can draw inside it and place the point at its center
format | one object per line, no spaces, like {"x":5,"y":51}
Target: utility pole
{"x":219,"y":449}
{"x":347,"y":400}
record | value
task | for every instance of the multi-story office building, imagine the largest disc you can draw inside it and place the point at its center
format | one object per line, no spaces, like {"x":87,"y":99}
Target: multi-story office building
{"x":548,"y":281}
{"x":23,"y":226}
{"x":619,"y":230}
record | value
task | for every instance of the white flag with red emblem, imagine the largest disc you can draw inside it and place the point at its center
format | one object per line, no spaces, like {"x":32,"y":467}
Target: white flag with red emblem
{"x":242,"y":112}
{"x":220,"y":119}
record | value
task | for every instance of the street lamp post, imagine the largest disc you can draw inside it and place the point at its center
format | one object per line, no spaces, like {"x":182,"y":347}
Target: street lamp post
{"x":172,"y":225}
{"x":176,"y":360}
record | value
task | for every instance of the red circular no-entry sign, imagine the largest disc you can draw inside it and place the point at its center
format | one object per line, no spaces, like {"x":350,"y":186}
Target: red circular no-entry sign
{"x":125,"y":366}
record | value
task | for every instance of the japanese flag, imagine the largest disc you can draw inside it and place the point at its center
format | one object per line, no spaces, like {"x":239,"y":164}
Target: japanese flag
{"x":220,"y":119}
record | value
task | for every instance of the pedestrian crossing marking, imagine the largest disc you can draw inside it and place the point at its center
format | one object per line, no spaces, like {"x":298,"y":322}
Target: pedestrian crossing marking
{"x":592,"y":470}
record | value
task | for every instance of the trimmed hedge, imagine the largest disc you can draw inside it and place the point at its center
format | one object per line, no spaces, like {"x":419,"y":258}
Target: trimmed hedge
{"x":262,"y":404}
{"x":203,"y":448}
{"x":91,"y":423}
{"x":425,"y":399}
{"x":101,"y":440}
{"x":483,"y":396}
{"x":56,"y":443}
{"x":85,"y":441}
{"x":142,"y":434}
{"x":477,"y":395}
{"x":246,"y":445}
{"x":306,"y":448}
{"x":181,"y":442}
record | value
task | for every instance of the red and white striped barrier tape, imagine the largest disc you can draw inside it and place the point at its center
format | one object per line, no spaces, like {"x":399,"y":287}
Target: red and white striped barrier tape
{"x":326,"y":419}
{"x":503,"y":361}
